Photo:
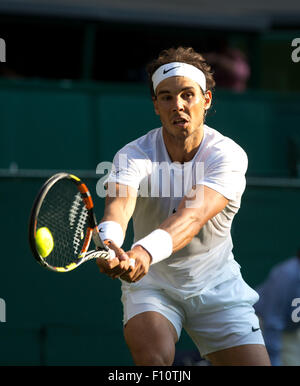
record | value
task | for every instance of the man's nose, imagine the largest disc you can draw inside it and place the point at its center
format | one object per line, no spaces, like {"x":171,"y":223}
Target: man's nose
{"x":178,"y":104}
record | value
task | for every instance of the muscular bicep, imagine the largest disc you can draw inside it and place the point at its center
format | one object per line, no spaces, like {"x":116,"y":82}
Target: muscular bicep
{"x":194,"y":211}
{"x":119,"y":204}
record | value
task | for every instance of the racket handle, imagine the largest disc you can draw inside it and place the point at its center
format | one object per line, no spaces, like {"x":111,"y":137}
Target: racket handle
{"x":106,"y":255}
{"x":111,"y":254}
{"x":100,"y":254}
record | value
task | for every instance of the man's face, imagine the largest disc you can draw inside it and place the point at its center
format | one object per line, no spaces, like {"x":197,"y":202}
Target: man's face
{"x":181,"y":105}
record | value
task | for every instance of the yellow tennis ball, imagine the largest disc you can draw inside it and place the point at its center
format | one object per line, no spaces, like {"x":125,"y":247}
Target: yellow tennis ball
{"x":44,"y":241}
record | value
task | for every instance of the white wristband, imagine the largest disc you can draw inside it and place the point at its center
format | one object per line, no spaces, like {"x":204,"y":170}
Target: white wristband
{"x":111,"y":230}
{"x":158,"y":243}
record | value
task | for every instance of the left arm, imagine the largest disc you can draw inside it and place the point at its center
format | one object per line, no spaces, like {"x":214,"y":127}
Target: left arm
{"x":191,"y":216}
{"x":187,"y":221}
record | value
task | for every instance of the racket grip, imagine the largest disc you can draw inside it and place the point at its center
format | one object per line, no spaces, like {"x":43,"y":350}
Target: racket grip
{"x":109,"y":254}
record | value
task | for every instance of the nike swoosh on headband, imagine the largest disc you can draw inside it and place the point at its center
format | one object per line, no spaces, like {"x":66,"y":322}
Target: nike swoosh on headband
{"x":169,"y":69}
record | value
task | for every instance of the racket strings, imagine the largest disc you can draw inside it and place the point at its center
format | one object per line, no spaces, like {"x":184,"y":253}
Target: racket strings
{"x":63,"y":212}
{"x":79,"y":230}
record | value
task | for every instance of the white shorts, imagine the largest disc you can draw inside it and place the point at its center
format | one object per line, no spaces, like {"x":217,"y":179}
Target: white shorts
{"x":218,"y":318}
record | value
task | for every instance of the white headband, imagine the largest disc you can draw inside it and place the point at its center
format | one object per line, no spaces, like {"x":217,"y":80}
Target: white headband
{"x":179,"y":69}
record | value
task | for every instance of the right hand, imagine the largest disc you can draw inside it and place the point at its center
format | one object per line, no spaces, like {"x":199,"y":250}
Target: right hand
{"x":117,"y":266}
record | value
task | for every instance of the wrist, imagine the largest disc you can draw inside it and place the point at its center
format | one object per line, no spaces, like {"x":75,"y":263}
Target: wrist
{"x":111,"y":230}
{"x":142,"y":250}
{"x":158,"y":244}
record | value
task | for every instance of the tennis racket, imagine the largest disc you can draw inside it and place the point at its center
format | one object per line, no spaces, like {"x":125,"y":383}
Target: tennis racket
{"x":64,"y":207}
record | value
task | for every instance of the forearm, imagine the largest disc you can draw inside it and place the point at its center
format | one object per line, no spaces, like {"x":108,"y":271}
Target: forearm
{"x":182,"y":227}
{"x":117,"y":213}
{"x":187,"y":222}
{"x":120,"y":208}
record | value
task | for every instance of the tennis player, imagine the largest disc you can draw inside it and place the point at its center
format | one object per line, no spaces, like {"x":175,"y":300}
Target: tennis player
{"x":182,"y":184}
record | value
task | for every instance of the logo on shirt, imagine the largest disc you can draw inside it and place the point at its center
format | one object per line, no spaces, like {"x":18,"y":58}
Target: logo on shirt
{"x":115,"y":172}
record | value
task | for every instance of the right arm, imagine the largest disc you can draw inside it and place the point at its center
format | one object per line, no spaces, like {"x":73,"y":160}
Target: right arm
{"x":119,"y":207}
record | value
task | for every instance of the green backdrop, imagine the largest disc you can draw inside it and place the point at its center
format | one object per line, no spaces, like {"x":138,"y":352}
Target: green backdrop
{"x":76,"y":318}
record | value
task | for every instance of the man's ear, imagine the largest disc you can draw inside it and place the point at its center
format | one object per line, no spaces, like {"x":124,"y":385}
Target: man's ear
{"x":208,"y":99}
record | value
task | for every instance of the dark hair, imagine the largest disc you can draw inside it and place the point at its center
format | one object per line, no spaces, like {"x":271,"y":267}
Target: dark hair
{"x":184,"y":55}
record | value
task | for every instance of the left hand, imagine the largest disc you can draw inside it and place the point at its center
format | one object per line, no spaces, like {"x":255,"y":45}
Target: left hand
{"x":142,"y":263}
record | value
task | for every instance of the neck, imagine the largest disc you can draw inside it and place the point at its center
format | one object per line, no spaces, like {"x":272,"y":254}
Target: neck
{"x":182,"y":149}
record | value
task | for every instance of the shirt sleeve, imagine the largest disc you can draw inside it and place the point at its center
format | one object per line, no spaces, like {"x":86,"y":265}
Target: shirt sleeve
{"x":225,"y":173}
{"x":128,"y":168}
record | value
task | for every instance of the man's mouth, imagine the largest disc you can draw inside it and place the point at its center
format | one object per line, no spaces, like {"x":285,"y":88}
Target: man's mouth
{"x":182,"y":122}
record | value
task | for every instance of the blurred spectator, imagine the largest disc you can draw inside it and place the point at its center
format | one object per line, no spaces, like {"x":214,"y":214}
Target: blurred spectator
{"x":274,"y":308}
{"x":230,"y":66}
